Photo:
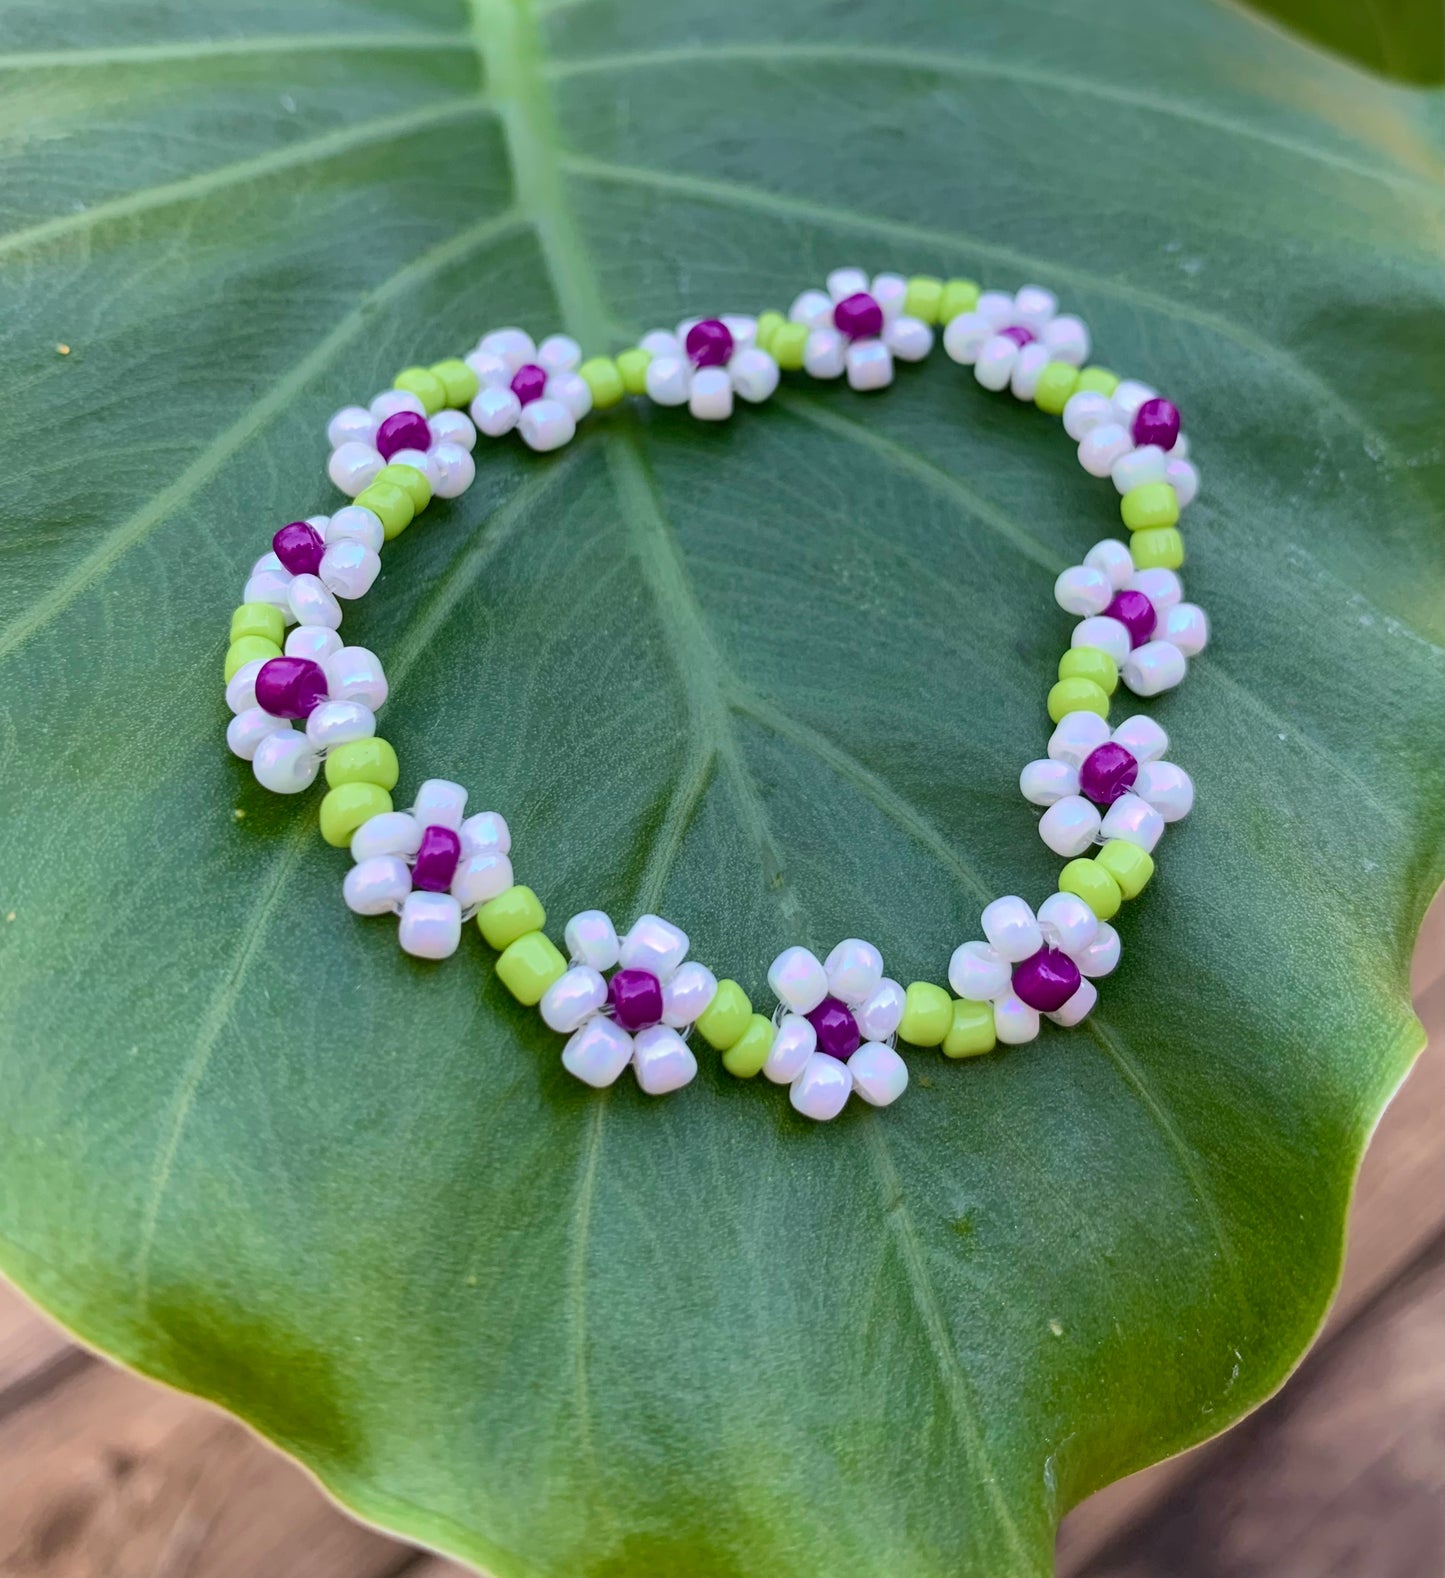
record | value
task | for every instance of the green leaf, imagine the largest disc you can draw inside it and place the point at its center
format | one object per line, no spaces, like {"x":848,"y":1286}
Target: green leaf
{"x":775,"y":679}
{"x":1401,"y":38}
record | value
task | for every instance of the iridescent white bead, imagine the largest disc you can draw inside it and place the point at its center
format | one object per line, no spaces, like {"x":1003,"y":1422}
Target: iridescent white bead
{"x":793,"y":1045}
{"x":450,"y":470}
{"x":430,"y":926}
{"x":822,"y":1090}
{"x":995,"y":307}
{"x":1144,"y":740}
{"x":1185,"y":626}
{"x":1028,"y":369}
{"x":1014,"y":1022}
{"x":882,"y":1014}
{"x":391,"y":401}
{"x":869,"y":364}
{"x":388,"y":833}
{"x":352,"y":424}
{"x":1109,"y":635}
{"x":490,"y":369}
{"x":844,"y":282}
{"x":1114,"y":559}
{"x":598,"y":1053}
{"x":285,"y":762}
{"x":1183,"y":478}
{"x":355,"y":523}
{"x":1076,"y":734}
{"x":1046,"y":782}
{"x":270,"y":586}
{"x":965,"y":336}
{"x":573,"y":391}
{"x":355,"y":674}
{"x":1162,"y":587}
{"x":1070,"y":920}
{"x":487,"y":833}
{"x":1169,"y":789}
{"x":1069,"y":826}
{"x":514,"y":346}
{"x":1100,"y":448}
{"x":1011,"y":926}
{"x":755,"y":375}
{"x":481,"y":875}
{"x":813,"y":307}
{"x":241,"y":687}
{"x":349,"y":570}
{"x":662,"y":1060}
{"x":1067,"y":338}
{"x":571,"y":998}
{"x":440,"y":803}
{"x":1078,"y":1007}
{"x":248,"y":728}
{"x":890,"y":291}
{"x":559,"y":353}
{"x":1102,"y":954}
{"x":1156,"y":666}
{"x":686,"y":996}
{"x":336,"y":723}
{"x":1085,"y":411}
{"x":312,"y":641}
{"x":353,"y":467}
{"x":879,"y":1075}
{"x":978,"y":973}
{"x":449,"y":426}
{"x":1129,"y":394}
{"x":798,"y":980}
{"x":376,"y":886}
{"x":415,"y":458}
{"x":546,"y":425}
{"x":591,"y":939}
{"x":495,"y":410}
{"x":668,"y":380}
{"x":1135,"y":821}
{"x":1139,"y":468}
{"x":312,"y":604}
{"x":995,"y":363}
{"x":1034,"y":306}
{"x":654,"y":945}
{"x":711,"y":397}
{"x":743,"y":329}
{"x":1081,"y":589}
{"x":854,"y":970}
{"x":910,"y":339}
{"x":825,"y":354}
{"x":662,"y":344}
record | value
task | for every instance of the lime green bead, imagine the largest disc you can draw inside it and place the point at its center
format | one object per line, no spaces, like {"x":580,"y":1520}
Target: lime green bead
{"x":1091,"y":663}
{"x":788,"y":343}
{"x":362,"y":762}
{"x":1149,"y":507}
{"x":459,"y":383}
{"x":1097,"y":380}
{"x":927,"y":1015}
{"x":411,"y":480}
{"x":1056,"y":384}
{"x":1088,"y":880}
{"x":746,"y":1056}
{"x":633,"y":367}
{"x":247,"y":650}
{"x":510,"y":915}
{"x":347,"y":806}
{"x":603,"y":377}
{"x":972,"y":1030}
{"x":924,"y":298}
{"x":1130,"y":866}
{"x":1159,"y":549}
{"x":1077,"y":695}
{"x":768,"y":325}
{"x":258,"y":619}
{"x":425,"y":385}
{"x":959,"y":295}
{"x":722,"y":1023}
{"x":391,"y":505}
{"x":529,"y":965}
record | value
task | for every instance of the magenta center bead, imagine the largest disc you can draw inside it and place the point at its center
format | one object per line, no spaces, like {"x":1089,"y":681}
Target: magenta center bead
{"x":1136,"y":613}
{"x":709,"y":343}
{"x":404,"y":430}
{"x":436,"y":859}
{"x":1018,"y":334}
{"x":859,"y":317}
{"x":290,"y":687}
{"x":299,"y":548}
{"x":1157,"y":422}
{"x":636,"y":999}
{"x":837,"y":1029}
{"x":529,"y":383}
{"x":1109,"y":771}
{"x":1047,"y":980}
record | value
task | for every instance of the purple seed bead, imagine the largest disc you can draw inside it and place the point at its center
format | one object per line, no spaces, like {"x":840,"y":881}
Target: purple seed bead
{"x":709,"y":344}
{"x":529,"y":383}
{"x":299,"y":548}
{"x":838,"y":1033}
{"x":290,"y":687}
{"x":1018,"y":334}
{"x":1136,"y":613}
{"x":1109,"y":771}
{"x":436,"y":859}
{"x":859,"y":317}
{"x":636,"y":999}
{"x":1157,"y":422}
{"x":1047,"y":980}
{"x":404,"y":430}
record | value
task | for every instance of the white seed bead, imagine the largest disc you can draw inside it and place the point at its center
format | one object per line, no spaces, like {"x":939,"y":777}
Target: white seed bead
{"x":687,"y":994}
{"x":241,"y":687}
{"x":890,"y":291}
{"x":813,"y":307}
{"x":995,"y":363}
{"x":1069,"y":826}
{"x":1014,"y":1022}
{"x":1109,"y":635}
{"x":440,"y":803}
{"x":336,"y":723}
{"x":1011,"y":926}
{"x":798,"y":980}
{"x":1081,"y":589}
{"x":571,"y":998}
{"x":1182,"y":477}
{"x":598,"y":1053}
{"x":869,"y":364}
{"x":793,"y":1045}
{"x":662,"y":1060}
{"x":573,"y":391}
{"x":591,"y":939}
{"x":391,"y":401}
{"x":312,"y":603}
{"x":965,"y":336}
{"x":1186,"y":627}
{"x":1067,"y":338}
{"x":490,"y":368}
{"x":1162,"y":587}
{"x":1085,"y":411}
{"x":268,"y":561}
{"x":910,"y":339}
{"x":1138,"y":468}
{"x":348,"y":570}
{"x":668,"y":379}
{"x":353,"y":467}
{"x":825,"y":353}
{"x":1028,"y":369}
{"x":449,"y":469}
{"x":1181,"y":447}
{"x":1114,"y":559}
{"x":316,"y":642}
{"x":480,"y":876}
{"x":879,"y":1075}
{"x":430,"y":925}
{"x":388,"y":833}
{"x":1076,"y":734}
{"x":416,"y":458}
{"x":559,"y":353}
{"x":1078,"y":1007}
{"x":854,"y":970}
{"x":822,"y":1090}
{"x":357,"y":524}
{"x":449,"y":426}
{"x":1070,"y":920}
{"x":1156,"y":666}
{"x":1034,"y":306}
{"x":844,"y":282}
{"x":495,"y":410}
{"x":285,"y":762}
{"x":487,"y":833}
{"x":882,"y":1014}
{"x":744,"y":329}
{"x":352,"y":424}
{"x":376,"y":886}
{"x":1101,"y":447}
{"x":355,"y":674}
{"x":1169,"y":789}
{"x":1144,"y":740}
{"x":1047,"y":782}
{"x":977,"y":972}
{"x":995,"y":307}
{"x":663,"y":344}
{"x":1129,"y":395}
{"x":270,"y":586}
{"x":248,"y":728}
{"x":1135,"y":821}
{"x":545,"y":425}
{"x":711,"y":396}
{"x":514,"y":346}
{"x":1101,"y":956}
{"x":654,"y":945}
{"x":754,"y":374}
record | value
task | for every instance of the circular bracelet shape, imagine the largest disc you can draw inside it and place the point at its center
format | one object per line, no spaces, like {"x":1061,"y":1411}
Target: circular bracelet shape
{"x":303,"y":702}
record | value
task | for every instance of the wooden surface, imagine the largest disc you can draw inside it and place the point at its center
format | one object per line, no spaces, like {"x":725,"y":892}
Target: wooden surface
{"x":104,"y":1475}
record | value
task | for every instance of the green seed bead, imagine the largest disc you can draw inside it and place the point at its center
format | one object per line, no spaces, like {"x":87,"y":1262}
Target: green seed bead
{"x":412,"y":481}
{"x":1159,"y":549}
{"x":347,"y":806}
{"x":1091,"y":663}
{"x":787,"y":347}
{"x":768,"y":325}
{"x":258,"y":619}
{"x":391,"y":505}
{"x":459,"y":382}
{"x":1088,"y":880}
{"x":1077,"y":695}
{"x":1056,"y":384}
{"x":746,"y":1056}
{"x":972,"y":1030}
{"x":927,"y":1015}
{"x":362,"y":762}
{"x":603,"y":378}
{"x":425,"y":385}
{"x":510,"y":915}
{"x":1149,"y":507}
{"x":1130,"y":866}
{"x":924,"y":298}
{"x":633,"y":367}
{"x":722,"y":1023}
{"x":247,"y":650}
{"x":959,"y":295}
{"x":1097,"y":380}
{"x":529,"y":965}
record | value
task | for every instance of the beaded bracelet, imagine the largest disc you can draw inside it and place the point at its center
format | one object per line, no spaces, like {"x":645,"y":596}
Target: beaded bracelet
{"x":636,"y":998}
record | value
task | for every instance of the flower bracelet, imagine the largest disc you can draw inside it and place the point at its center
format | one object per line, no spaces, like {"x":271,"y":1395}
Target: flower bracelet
{"x":303,"y":701}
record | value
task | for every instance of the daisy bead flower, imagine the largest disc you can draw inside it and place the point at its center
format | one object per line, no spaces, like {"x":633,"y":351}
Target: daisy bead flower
{"x":432,"y":866}
{"x":313,"y":562}
{"x":707,"y":361}
{"x":1133,"y":436}
{"x":1139,"y":617}
{"x":1009,"y":340}
{"x":533,"y":388}
{"x":857,"y":326}
{"x":836,"y":1022}
{"x":1032,"y":965}
{"x":395,"y":430}
{"x":640,"y":1014}
{"x":1098,"y":784}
